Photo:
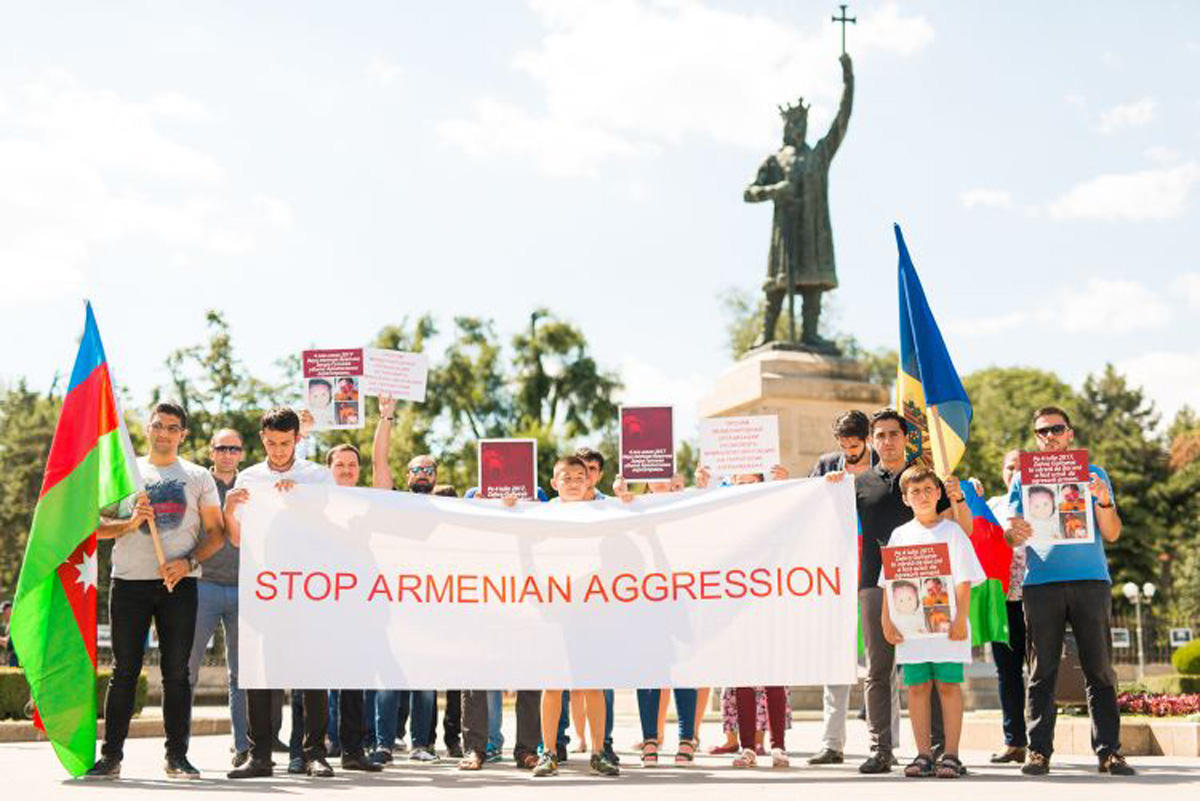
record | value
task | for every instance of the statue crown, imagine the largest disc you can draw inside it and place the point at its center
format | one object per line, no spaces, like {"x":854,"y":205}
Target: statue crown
{"x":798,"y":112}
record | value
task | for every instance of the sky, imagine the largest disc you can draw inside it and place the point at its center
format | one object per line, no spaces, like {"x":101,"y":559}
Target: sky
{"x":319,"y":170}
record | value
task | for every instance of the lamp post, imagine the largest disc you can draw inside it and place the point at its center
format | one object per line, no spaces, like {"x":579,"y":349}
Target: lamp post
{"x":1134,"y":594}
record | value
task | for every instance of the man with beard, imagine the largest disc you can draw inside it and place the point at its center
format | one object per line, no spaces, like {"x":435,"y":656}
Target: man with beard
{"x":420,"y":477}
{"x":851,"y":429}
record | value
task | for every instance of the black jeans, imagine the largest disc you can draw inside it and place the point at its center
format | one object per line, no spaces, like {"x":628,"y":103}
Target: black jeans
{"x":1087,"y":606}
{"x":131,"y":607}
{"x":351,"y":725}
{"x":475,"y":722}
{"x":261,"y":707}
{"x":1010,"y":675}
{"x":451,"y":720}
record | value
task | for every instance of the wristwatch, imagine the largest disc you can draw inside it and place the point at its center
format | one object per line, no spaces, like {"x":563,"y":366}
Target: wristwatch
{"x":193,"y":565}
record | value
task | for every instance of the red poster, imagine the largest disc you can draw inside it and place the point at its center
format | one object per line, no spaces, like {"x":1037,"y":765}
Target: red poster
{"x":647,"y":443}
{"x":1056,"y":497}
{"x":508,"y":467}
{"x":920,"y":589}
{"x":332,"y":391}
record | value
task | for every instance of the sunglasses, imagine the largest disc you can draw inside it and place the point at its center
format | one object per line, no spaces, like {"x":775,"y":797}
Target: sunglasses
{"x":1054,"y":430}
{"x":227,"y":448}
{"x":429,"y":471}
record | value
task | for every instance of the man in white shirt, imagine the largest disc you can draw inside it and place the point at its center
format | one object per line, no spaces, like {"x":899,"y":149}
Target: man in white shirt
{"x":280,"y":430}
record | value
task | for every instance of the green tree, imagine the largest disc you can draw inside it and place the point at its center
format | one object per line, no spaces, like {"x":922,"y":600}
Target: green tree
{"x":27,"y":422}
{"x":213,"y":386}
{"x":1115,"y":422}
{"x":1002,"y":400}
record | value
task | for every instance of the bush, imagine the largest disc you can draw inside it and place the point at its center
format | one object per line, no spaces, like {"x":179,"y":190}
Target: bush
{"x":14,"y":693}
{"x":1187,"y":659}
{"x":1171,"y":684}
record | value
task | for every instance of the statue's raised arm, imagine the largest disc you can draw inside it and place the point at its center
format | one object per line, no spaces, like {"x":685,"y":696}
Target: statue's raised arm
{"x":837,"y":131}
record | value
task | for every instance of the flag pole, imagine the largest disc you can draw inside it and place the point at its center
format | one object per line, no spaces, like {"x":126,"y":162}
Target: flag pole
{"x":936,"y":419}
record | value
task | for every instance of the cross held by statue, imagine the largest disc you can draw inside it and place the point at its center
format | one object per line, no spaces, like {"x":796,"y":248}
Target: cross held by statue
{"x":844,"y":19}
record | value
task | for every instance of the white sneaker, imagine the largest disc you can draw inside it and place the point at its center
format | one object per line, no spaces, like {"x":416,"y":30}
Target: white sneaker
{"x":779,"y":758}
{"x":424,"y":755}
{"x":401,"y":746}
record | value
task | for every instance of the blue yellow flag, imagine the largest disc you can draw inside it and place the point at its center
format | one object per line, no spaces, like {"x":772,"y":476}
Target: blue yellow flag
{"x":928,"y":391}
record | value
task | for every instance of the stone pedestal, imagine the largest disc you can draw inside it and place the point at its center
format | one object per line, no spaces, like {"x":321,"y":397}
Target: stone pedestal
{"x":806,"y":390}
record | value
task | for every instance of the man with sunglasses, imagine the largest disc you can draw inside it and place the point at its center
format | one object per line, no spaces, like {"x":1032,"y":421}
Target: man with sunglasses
{"x":1069,"y":584}
{"x":420,"y":477}
{"x":217,"y":594}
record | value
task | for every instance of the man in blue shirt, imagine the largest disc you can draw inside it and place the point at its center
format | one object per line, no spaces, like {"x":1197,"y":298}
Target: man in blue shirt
{"x":1069,"y":584}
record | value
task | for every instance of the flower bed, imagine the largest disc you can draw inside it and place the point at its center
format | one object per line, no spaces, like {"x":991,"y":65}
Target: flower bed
{"x":1159,"y":705}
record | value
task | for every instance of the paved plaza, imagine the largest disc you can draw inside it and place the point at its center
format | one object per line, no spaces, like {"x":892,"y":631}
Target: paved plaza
{"x":31,"y":771}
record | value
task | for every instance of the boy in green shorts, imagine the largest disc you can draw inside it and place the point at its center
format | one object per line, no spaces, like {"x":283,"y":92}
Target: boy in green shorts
{"x":933,"y":660}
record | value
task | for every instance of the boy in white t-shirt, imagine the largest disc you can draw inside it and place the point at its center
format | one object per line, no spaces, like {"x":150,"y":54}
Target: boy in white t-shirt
{"x":925,"y":661}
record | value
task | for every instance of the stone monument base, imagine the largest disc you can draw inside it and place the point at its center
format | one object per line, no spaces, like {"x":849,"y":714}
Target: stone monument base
{"x":806,"y":390}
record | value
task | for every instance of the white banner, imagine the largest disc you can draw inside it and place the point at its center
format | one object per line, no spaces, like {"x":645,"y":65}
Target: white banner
{"x":736,"y":586}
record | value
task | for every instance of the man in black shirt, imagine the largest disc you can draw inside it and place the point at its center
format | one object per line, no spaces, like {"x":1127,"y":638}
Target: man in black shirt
{"x":881,"y":510}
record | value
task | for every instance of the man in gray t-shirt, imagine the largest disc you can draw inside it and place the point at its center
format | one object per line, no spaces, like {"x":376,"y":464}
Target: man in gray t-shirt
{"x":181,"y":499}
{"x":217,"y":594}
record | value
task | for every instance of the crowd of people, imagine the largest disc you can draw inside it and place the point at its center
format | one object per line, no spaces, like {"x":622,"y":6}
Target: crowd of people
{"x":898,"y":503}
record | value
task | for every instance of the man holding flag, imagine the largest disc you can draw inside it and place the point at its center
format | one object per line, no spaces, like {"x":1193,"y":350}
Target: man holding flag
{"x":179,"y":497}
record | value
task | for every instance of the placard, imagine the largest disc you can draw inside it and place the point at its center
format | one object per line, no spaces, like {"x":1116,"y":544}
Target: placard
{"x":332,"y":388}
{"x":1056,"y":497}
{"x":647,"y":443}
{"x":1120,"y":638}
{"x":508,"y":467}
{"x":920,"y":589}
{"x":731,"y":446}
{"x":395,"y":372}
{"x":1180,"y":637}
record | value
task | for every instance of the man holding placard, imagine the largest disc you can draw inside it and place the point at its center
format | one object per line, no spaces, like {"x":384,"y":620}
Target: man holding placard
{"x":1067,"y":582}
{"x":160,"y":543}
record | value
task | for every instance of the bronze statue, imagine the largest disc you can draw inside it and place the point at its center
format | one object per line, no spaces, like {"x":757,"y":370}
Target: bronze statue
{"x":797,"y":180}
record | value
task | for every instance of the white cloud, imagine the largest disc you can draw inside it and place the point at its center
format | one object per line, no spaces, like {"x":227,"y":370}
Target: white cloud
{"x":1187,"y":287}
{"x":1113,"y":307}
{"x":1159,"y":154}
{"x":275,"y":211}
{"x":1168,"y":378}
{"x":1100,"y":306}
{"x":986,"y":198}
{"x":384,"y":72}
{"x":1127,"y":115}
{"x":84,"y":168}
{"x":646,"y":383}
{"x":1154,"y":194}
{"x":987,"y":326}
{"x":683,"y":69}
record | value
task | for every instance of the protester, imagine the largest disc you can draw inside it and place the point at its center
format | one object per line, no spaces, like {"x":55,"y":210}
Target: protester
{"x":934,"y":660}
{"x":854,"y":456}
{"x":8,"y":657}
{"x":571,"y":482}
{"x":217,"y":594}
{"x":282,"y":471}
{"x":881,"y":510}
{"x":344,"y":463}
{"x":181,"y":503}
{"x":421,"y":478}
{"x":1010,"y":656}
{"x":1069,"y":584}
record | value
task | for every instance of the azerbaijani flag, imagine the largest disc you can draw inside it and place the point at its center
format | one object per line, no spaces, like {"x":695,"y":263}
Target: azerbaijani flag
{"x":91,"y":465}
{"x":928,"y":389}
{"x":988,"y":614}
{"x":927,"y":385}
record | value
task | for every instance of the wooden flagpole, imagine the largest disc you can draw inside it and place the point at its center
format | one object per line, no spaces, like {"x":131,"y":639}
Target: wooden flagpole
{"x":936,"y":419}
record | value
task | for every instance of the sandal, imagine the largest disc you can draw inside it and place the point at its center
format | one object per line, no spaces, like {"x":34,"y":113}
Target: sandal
{"x":649,"y":752}
{"x":686,"y":754}
{"x":747,"y":759}
{"x":948,"y":767}
{"x":472,"y":761}
{"x":920,"y":768}
{"x":723,"y":748}
{"x":527,"y":761}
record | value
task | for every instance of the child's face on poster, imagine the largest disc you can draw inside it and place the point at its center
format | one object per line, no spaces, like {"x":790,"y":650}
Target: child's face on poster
{"x":905,"y":599}
{"x":1041,"y":505}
